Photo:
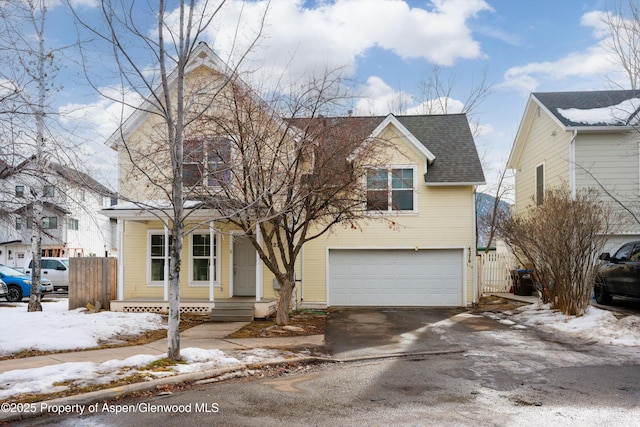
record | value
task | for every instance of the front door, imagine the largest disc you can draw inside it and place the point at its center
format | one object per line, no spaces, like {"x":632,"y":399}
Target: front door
{"x":244,"y":267}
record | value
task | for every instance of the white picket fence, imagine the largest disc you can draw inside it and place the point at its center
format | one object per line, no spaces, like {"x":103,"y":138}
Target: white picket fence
{"x":494,"y":272}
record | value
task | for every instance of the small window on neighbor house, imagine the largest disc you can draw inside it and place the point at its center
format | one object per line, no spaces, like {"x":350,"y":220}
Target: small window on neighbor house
{"x":49,"y":191}
{"x":540,"y":185}
{"x":19,"y":190}
{"x":72,"y":224}
{"x":49,"y":223}
{"x":18,"y":223}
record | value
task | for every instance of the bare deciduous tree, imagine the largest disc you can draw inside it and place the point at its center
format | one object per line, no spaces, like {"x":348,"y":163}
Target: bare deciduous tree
{"x":173,"y":103}
{"x":623,"y":42}
{"x":437,"y":89}
{"x":291,"y":180}
{"x":561,"y":240}
{"x":29,"y":73}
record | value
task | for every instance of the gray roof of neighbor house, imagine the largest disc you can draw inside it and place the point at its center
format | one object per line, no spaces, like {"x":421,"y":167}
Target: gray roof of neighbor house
{"x":447,"y":136}
{"x":592,"y":108}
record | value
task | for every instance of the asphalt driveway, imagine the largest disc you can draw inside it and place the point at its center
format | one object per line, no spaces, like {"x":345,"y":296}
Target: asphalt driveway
{"x":358,"y":332}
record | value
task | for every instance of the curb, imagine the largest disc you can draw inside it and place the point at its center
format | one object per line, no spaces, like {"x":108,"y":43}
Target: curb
{"x":68,"y":403}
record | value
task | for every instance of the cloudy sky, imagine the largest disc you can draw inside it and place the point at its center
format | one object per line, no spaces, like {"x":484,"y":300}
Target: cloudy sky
{"x":388,"y":47}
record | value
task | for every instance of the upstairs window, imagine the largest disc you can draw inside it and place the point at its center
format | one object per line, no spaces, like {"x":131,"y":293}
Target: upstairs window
{"x":49,"y":191}
{"x":72,"y":224}
{"x":19,"y":190}
{"x":206,"y":162}
{"x":391,"y":190}
{"x":540,"y":185}
{"x":48,"y":223}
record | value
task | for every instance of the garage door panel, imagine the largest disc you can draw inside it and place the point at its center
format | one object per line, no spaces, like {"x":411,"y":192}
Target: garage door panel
{"x":395,"y":277}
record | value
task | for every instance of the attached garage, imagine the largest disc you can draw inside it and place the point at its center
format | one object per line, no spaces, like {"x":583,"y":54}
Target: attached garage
{"x":396,"y":277}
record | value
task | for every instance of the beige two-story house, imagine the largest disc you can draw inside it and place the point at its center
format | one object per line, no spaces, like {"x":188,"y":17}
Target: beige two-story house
{"x":417,"y":249}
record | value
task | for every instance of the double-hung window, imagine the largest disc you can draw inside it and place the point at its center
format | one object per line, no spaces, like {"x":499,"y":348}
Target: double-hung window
{"x":391,"y":189}
{"x":203,"y":256}
{"x":157,"y":252}
{"x":206,"y":162}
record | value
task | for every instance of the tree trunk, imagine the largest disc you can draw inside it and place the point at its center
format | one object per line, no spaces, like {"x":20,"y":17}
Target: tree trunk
{"x":173,"y":333}
{"x":36,"y":248}
{"x":284,"y":303}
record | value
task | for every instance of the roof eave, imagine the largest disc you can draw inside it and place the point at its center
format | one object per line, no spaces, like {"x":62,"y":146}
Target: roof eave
{"x":454,"y":184}
{"x":601,"y":129}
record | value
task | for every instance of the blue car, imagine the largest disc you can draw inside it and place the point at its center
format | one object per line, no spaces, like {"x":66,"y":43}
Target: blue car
{"x":19,"y":284}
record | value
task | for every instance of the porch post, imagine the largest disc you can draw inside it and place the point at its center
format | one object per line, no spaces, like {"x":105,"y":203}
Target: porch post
{"x":212,"y":248}
{"x":259,"y":278}
{"x":120,"y":283}
{"x":166,"y":263}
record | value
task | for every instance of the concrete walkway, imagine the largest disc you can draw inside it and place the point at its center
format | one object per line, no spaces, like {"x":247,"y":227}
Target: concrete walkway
{"x":207,"y":336}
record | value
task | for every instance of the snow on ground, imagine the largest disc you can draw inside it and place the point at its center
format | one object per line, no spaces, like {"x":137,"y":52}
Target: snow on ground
{"x":596,"y":325}
{"x":60,"y":329}
{"x":57,"y":328}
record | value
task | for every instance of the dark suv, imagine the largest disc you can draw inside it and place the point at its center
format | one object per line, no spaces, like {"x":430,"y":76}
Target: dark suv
{"x":619,"y":274}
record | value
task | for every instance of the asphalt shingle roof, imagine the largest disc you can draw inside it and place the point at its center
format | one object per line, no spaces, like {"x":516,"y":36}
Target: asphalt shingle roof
{"x":446,"y":136}
{"x":585,"y":100}
{"x":449,"y":138}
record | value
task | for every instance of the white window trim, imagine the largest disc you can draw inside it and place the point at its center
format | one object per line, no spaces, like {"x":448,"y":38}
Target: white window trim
{"x":205,"y":179}
{"x":218,"y":252}
{"x":394,"y":212}
{"x":154,"y":283}
{"x":535,"y":182}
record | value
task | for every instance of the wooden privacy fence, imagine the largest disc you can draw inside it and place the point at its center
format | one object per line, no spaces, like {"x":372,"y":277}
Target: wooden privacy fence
{"x":91,"y":280}
{"x":495,"y":271}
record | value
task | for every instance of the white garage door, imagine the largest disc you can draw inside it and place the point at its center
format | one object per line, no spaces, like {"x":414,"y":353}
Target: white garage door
{"x":370,"y":277}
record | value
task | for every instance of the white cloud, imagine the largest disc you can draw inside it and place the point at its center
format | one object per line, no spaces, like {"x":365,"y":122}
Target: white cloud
{"x":593,"y":61}
{"x":298,"y":38}
{"x":378,"y":98}
{"x":442,"y":105}
{"x":102,"y":116}
{"x":596,"y":20}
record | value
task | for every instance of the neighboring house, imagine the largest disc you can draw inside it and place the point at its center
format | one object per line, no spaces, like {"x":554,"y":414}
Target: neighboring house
{"x":72,"y":224}
{"x":426,"y":258}
{"x":582,"y":140}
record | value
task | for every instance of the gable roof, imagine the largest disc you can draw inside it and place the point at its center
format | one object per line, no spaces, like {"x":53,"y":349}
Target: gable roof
{"x":202,"y":55}
{"x":584,"y":111}
{"x":449,"y":138}
{"x":591,"y":109}
{"x":444,"y":140}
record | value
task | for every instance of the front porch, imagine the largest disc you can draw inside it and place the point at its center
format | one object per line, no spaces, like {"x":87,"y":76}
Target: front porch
{"x":261,"y":309}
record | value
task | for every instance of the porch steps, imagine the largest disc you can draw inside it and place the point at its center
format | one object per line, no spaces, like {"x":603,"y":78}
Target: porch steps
{"x":233,"y":311}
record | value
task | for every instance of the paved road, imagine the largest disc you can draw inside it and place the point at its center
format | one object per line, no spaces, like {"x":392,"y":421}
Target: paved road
{"x":507,"y":375}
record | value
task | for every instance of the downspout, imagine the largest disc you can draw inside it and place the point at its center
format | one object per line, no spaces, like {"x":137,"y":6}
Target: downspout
{"x":302,"y":275}
{"x":120,"y":286}
{"x":572,"y":165}
{"x":474,"y":262}
{"x":212,"y":248}
{"x":166,"y":263}
{"x":259,"y":267}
